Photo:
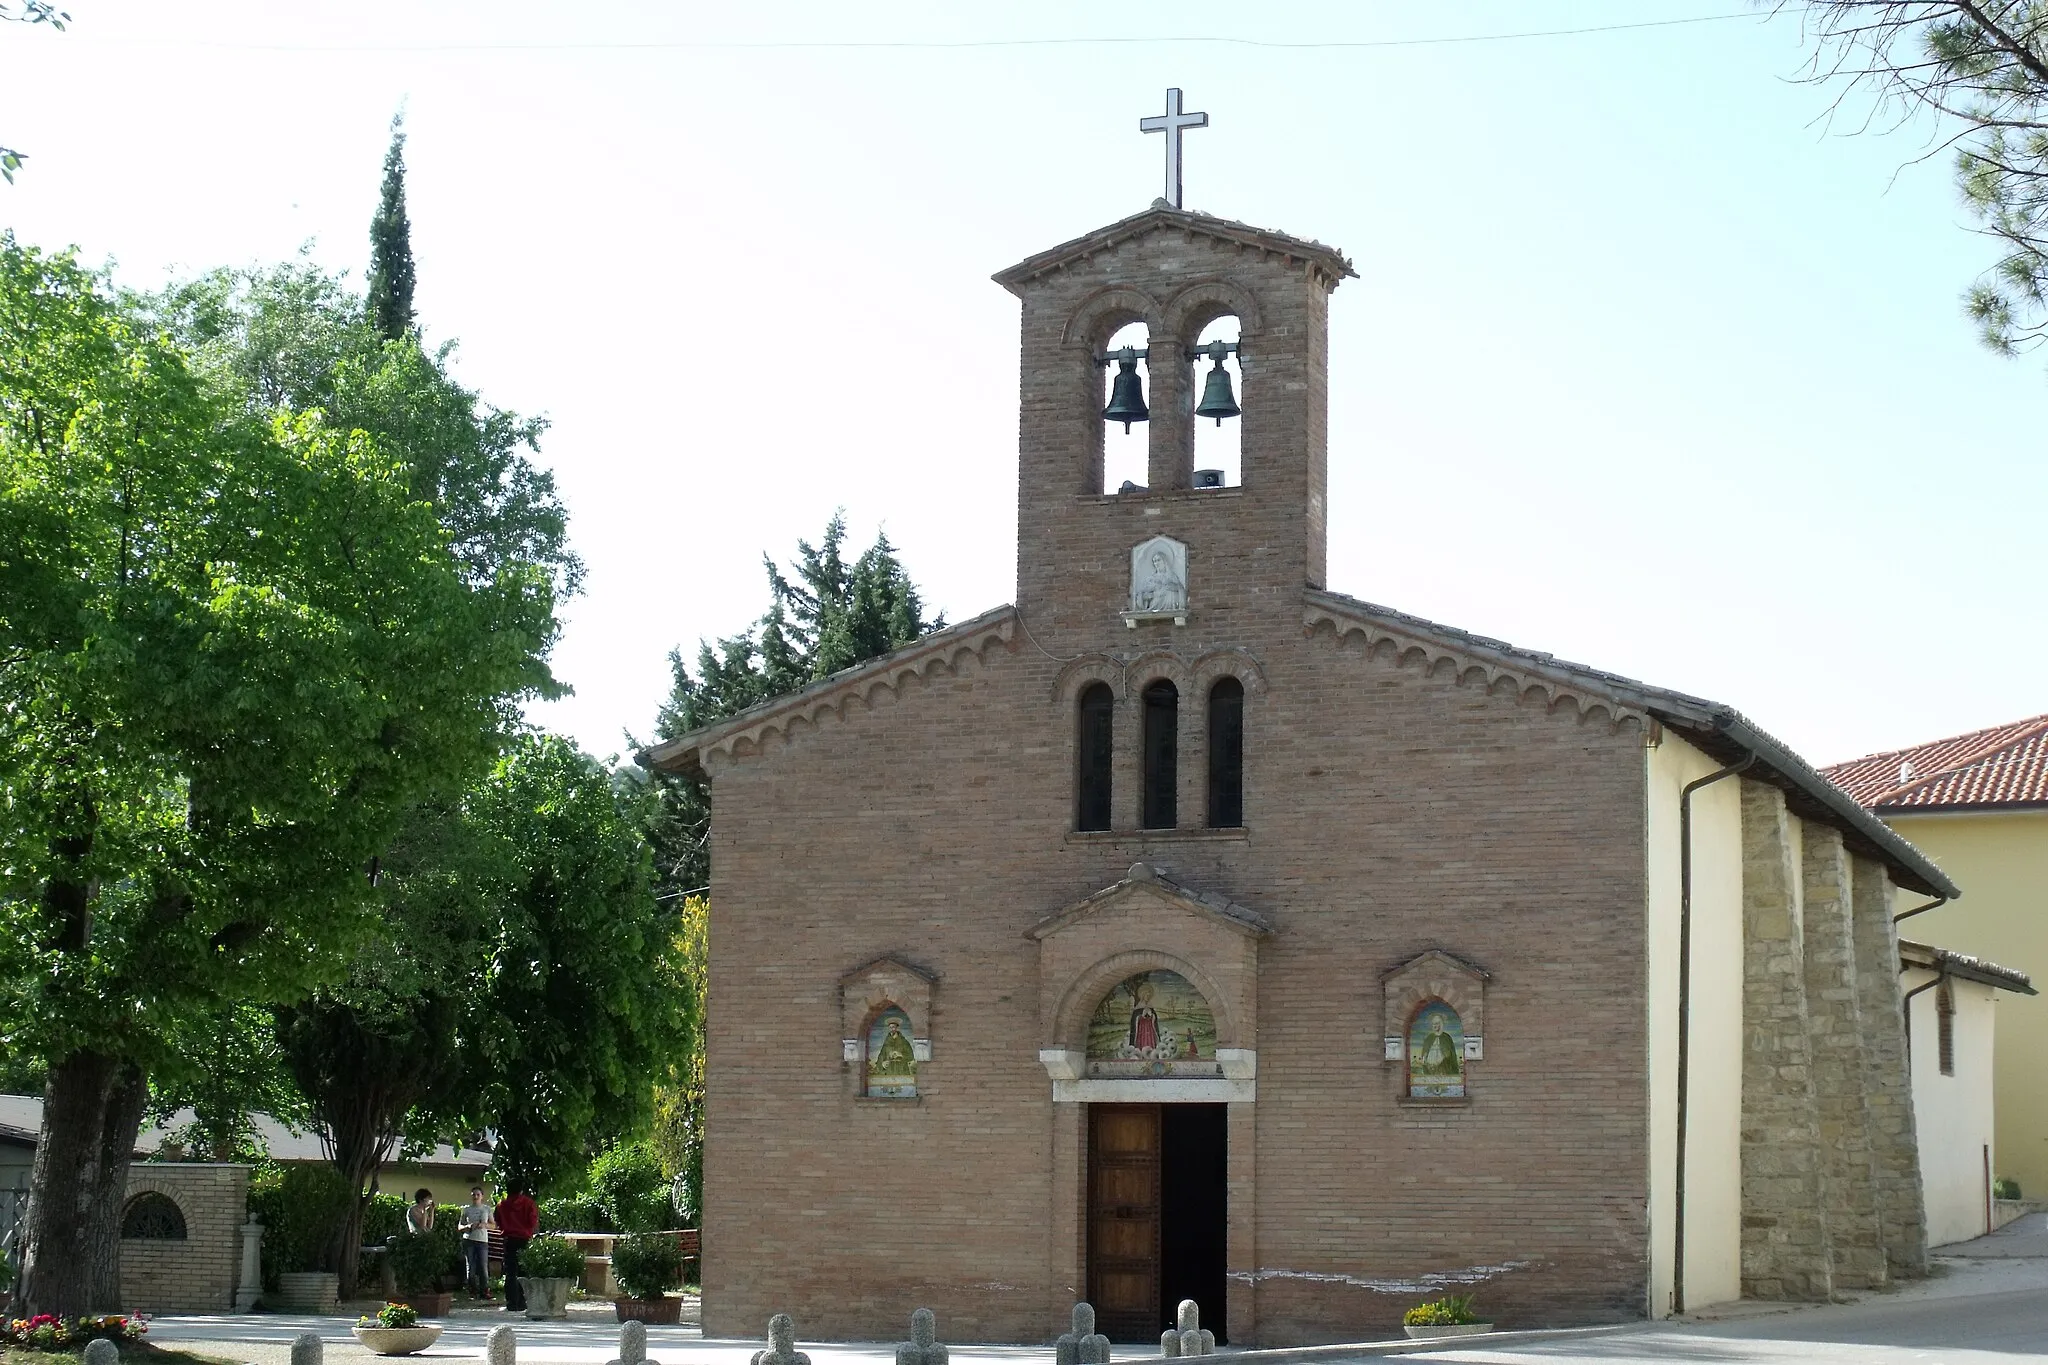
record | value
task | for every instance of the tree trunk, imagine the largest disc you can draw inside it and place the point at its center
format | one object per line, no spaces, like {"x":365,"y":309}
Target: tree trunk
{"x":71,"y":1231}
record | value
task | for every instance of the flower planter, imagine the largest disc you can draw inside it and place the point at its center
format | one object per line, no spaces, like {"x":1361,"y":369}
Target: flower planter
{"x":1462,"y":1329}
{"x":307,"y":1291}
{"x":430,"y":1305}
{"x":664,"y":1311}
{"x":547,"y":1298}
{"x":397,"y":1341}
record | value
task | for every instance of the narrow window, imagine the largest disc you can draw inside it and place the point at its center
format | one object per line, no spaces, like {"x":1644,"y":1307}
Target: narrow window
{"x":1226,"y":754}
{"x":1091,"y":783}
{"x":1162,"y":714}
{"x":1945,"y":1028}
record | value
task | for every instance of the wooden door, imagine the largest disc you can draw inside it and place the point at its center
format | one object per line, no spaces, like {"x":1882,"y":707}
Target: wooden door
{"x":1123,"y":1219}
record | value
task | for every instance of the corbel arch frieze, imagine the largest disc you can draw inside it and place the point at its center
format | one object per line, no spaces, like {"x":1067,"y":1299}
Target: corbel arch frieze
{"x":1127,"y":676}
{"x":1077,"y":1006}
{"x":1202,"y":302}
{"x":835,"y":701}
{"x":1526,"y":684}
{"x":1154,"y":664}
{"x":1099,"y":316}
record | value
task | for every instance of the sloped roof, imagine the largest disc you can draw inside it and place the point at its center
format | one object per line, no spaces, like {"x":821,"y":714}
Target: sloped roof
{"x":22,"y":1116}
{"x":2005,"y":765}
{"x":1162,"y":217}
{"x":1929,"y":958}
{"x":1720,"y":731}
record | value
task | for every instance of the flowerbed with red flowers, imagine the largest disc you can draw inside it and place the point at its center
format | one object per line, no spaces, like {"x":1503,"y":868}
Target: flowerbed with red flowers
{"x":46,"y":1332}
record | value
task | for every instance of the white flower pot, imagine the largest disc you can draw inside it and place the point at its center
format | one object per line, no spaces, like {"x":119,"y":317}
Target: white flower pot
{"x":397,"y":1341}
{"x":1463,"y":1329}
{"x":547,"y":1298}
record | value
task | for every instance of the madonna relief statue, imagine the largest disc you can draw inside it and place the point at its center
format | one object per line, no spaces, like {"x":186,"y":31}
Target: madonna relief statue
{"x":1159,"y":577}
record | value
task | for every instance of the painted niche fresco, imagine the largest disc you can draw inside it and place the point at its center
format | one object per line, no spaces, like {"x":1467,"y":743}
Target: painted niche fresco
{"x":892,"y":1063}
{"x":1154,"y":1025}
{"x":1436,"y":1053}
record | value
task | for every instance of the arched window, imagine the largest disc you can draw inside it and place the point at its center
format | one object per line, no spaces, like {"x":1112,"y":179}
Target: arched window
{"x":1226,"y":754}
{"x":1126,"y":443}
{"x":1945,"y":1028}
{"x":1436,"y":1052}
{"x":1162,"y":717}
{"x":890,"y":1058}
{"x":1093,"y":754}
{"x":153,"y":1217}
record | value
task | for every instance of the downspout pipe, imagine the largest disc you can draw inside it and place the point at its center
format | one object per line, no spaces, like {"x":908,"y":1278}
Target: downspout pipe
{"x":1934,"y":904}
{"x":1906,"y":1005}
{"x":1685,"y":1011}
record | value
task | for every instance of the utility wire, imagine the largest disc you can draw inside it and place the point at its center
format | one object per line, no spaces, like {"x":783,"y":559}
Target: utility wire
{"x":799,"y":44}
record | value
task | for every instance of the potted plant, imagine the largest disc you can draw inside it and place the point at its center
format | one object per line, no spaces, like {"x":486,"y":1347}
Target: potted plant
{"x":1449,"y":1316}
{"x":549,"y":1269}
{"x":415,"y":1259}
{"x":395,"y":1331}
{"x":647,"y":1265}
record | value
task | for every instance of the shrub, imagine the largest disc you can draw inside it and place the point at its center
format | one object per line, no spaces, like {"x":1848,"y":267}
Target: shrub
{"x":551,"y":1258}
{"x":1452,"y":1310}
{"x":2005,"y":1187}
{"x":647,"y":1264}
{"x":578,"y":1213}
{"x":384,"y":1218}
{"x":392,"y":1315}
{"x":628,"y":1185}
{"x":416,"y":1261}
{"x":300,"y":1207}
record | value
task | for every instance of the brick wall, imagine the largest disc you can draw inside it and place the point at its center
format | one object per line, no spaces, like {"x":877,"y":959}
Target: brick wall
{"x":196,"y":1275}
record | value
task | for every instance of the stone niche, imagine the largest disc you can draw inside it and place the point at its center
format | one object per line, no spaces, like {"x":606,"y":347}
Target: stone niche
{"x":886,"y":987}
{"x":1146,"y":928}
{"x":1433,"y":996}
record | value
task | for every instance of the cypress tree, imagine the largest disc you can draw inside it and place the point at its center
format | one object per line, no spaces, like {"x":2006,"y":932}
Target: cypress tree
{"x":391,"y":274}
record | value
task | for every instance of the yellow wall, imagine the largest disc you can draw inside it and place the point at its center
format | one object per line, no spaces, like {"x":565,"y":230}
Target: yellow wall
{"x":2000,"y":860}
{"x":1713,"y":1154}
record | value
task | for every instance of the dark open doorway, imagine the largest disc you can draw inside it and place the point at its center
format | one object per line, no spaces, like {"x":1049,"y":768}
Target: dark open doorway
{"x":1158,"y":1201}
{"x":1194,"y":1210}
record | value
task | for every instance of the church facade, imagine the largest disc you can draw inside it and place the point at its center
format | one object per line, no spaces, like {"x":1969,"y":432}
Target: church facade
{"x":1187,"y":929}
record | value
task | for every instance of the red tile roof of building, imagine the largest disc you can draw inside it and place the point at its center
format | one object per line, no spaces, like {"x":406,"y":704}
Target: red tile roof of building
{"x":2006,"y":765}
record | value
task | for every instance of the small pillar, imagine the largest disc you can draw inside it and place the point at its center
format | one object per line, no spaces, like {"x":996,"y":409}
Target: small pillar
{"x":923,"y":1348}
{"x":1187,"y":1337}
{"x":1082,"y":1344}
{"x":100,"y":1351}
{"x":633,"y":1345}
{"x":306,"y":1349}
{"x":781,"y":1344}
{"x":501,"y":1347}
{"x":249,"y":1280}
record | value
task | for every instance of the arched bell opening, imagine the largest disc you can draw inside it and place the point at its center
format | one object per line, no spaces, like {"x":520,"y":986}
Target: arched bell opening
{"x":1215,"y":392}
{"x":1126,"y":408}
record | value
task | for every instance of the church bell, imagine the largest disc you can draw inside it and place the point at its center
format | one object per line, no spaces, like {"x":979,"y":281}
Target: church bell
{"x":1217,"y":399}
{"x":1127,"y":393}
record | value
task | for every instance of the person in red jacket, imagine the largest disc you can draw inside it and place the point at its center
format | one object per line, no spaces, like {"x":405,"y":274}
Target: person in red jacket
{"x":518,"y":1218}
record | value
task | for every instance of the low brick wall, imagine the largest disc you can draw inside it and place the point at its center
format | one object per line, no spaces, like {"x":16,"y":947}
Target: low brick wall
{"x":195,"y":1274}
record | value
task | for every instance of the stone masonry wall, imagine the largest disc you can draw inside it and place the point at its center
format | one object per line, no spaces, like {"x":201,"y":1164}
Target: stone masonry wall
{"x":1887,"y":1089}
{"x":196,"y":1275}
{"x":1785,"y":1253}
{"x":1837,"y":1030}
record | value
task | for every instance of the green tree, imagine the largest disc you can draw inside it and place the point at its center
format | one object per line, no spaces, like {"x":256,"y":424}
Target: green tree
{"x":679,"y":1097}
{"x":234,"y":650}
{"x":825,"y":615}
{"x":1981,"y":68}
{"x":576,"y":1017}
{"x":27,"y":12}
{"x":391,"y":272}
{"x":226,"y":1067}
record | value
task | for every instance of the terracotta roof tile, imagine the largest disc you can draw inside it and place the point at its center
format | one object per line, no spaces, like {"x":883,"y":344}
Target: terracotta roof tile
{"x":2006,"y":765}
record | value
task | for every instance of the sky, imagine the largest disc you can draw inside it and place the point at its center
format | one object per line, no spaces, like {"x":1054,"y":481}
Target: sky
{"x":1648,"y":364}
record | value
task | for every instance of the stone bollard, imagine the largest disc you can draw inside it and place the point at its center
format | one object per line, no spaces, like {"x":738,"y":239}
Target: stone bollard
{"x":100,"y":1351}
{"x":633,"y":1345}
{"x":501,"y":1347}
{"x":781,"y":1344}
{"x":923,"y":1347}
{"x":1083,"y":1345}
{"x":1192,"y":1339}
{"x":306,"y":1349}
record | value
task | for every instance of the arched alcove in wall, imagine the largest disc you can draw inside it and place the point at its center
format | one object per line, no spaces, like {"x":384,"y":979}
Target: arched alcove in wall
{"x":1125,"y":454}
{"x":1217,"y":444}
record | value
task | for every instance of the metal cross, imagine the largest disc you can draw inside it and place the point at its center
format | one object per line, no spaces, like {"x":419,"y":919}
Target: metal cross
{"x":1171,"y":123}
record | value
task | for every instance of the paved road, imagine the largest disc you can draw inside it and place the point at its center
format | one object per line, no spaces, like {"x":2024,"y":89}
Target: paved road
{"x":1988,"y":1304}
